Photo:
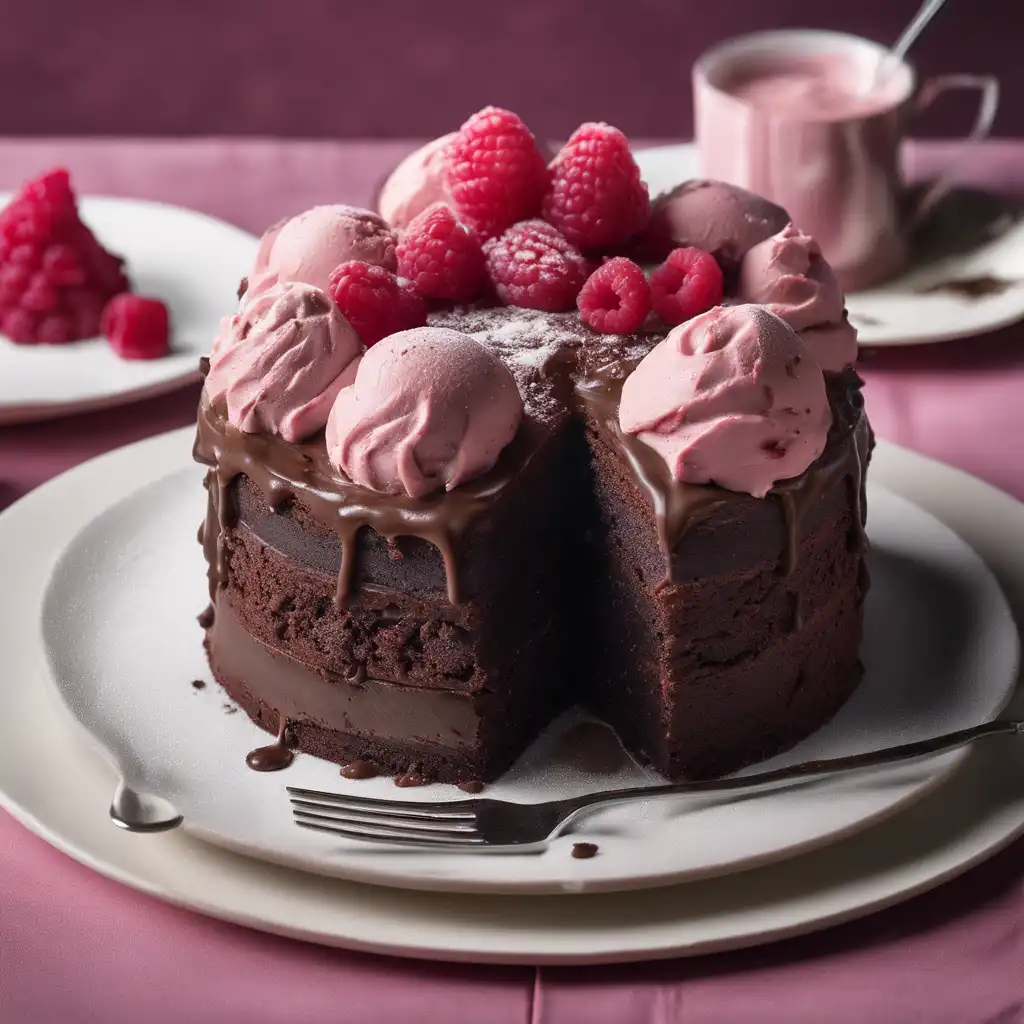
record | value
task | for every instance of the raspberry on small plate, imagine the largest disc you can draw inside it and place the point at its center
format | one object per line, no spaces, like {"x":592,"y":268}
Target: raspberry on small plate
{"x":136,"y":327}
{"x":189,"y":261}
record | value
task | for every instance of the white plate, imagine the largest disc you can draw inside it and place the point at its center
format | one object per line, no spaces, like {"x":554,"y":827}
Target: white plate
{"x":60,"y":787}
{"x":902,"y":312}
{"x":189,"y":260}
{"x":120,"y":631}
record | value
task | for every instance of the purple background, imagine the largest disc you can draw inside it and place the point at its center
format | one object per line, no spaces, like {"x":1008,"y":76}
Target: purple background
{"x":416,"y":68}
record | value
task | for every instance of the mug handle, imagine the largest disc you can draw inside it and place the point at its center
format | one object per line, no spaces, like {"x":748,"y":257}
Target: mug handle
{"x":933,"y":88}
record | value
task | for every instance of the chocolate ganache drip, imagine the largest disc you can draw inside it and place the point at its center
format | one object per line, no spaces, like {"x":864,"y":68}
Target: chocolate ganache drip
{"x":562,"y":368}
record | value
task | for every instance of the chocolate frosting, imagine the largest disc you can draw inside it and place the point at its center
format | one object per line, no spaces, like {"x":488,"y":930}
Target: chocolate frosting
{"x":562,"y":368}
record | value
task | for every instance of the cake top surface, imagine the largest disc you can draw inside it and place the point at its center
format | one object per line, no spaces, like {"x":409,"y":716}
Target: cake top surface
{"x":562,"y":276}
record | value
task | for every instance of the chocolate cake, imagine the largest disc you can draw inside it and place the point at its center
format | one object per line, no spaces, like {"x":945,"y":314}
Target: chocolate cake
{"x":366,"y":612}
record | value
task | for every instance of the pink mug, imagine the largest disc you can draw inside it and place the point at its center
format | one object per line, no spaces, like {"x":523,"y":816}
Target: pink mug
{"x":835,"y":166}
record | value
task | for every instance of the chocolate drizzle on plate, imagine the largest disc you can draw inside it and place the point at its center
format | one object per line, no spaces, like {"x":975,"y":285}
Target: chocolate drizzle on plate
{"x":471,"y":786}
{"x":275,"y":756}
{"x":359,"y":769}
{"x":973,"y":288}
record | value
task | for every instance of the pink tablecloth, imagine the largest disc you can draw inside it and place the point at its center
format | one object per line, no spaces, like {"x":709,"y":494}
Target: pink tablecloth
{"x":75,"y":947}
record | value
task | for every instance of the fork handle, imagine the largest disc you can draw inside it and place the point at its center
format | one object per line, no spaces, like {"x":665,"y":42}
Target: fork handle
{"x":810,"y":769}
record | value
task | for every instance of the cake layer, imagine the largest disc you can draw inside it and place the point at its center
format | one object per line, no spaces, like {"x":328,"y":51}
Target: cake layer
{"x":708,"y":627}
{"x":448,"y":736}
{"x":742,"y":639}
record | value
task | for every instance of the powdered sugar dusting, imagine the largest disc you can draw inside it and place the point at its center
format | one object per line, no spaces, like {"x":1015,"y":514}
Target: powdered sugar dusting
{"x":544,"y":351}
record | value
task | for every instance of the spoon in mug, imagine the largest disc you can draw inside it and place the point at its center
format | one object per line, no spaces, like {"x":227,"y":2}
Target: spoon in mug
{"x":894,"y":57}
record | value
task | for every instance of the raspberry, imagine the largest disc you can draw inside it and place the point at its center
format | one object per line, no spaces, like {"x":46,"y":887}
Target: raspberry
{"x":62,"y":265}
{"x":495,"y":172}
{"x":374,"y":302}
{"x":616,"y":298}
{"x":56,"y":330}
{"x":532,"y":265}
{"x":14,"y":280}
{"x":40,"y":296}
{"x":20,"y":326}
{"x":687,"y":283}
{"x":86,"y":308}
{"x":596,"y":198}
{"x":136,"y":327}
{"x":440,"y":257}
{"x":55,"y":277}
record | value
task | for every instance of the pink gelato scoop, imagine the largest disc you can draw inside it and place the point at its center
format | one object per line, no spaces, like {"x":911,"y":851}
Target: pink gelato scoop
{"x":429,"y":408}
{"x":789,"y":275}
{"x":416,"y":183}
{"x":719,"y":218}
{"x":279,"y":362}
{"x":732,"y":397}
{"x":309,"y":246}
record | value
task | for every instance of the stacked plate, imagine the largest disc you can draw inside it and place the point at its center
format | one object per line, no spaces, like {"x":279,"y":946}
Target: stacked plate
{"x":102,"y":651}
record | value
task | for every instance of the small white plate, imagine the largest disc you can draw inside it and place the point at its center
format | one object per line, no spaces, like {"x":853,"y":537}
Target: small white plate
{"x":58,"y":786}
{"x":188,"y":260}
{"x":120,"y":632}
{"x":919,"y":306}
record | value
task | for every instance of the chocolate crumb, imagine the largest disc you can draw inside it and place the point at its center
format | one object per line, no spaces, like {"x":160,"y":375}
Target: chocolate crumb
{"x":584,"y":851}
{"x":205,"y":617}
{"x":198,"y":684}
{"x":970,"y":287}
{"x":230,"y":709}
{"x":864,"y":320}
{"x":471,"y":786}
{"x":412,"y":777}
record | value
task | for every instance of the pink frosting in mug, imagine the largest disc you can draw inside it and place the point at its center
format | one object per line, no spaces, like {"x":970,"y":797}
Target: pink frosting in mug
{"x":732,"y":397}
{"x":789,"y":275}
{"x":416,"y":183}
{"x":429,"y":408}
{"x":309,"y":246}
{"x":279,"y":362}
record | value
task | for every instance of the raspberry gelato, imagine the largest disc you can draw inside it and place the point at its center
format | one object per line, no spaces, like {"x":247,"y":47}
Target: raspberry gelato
{"x":279,"y":362}
{"x":429,"y":408}
{"x":308,"y":247}
{"x":732,"y":397}
{"x":416,"y":183}
{"x":719,"y":218}
{"x":789,"y":275}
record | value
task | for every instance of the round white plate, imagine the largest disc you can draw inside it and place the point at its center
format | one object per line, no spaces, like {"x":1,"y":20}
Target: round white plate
{"x":904,"y":311}
{"x":59,"y":786}
{"x":189,"y":260}
{"x":120,"y":631}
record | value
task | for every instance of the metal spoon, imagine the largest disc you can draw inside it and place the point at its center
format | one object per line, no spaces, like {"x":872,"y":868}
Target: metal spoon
{"x":142,"y":812}
{"x":894,"y":57}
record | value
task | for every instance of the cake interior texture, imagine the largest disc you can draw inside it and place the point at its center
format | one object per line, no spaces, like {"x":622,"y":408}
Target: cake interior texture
{"x":437,"y":636}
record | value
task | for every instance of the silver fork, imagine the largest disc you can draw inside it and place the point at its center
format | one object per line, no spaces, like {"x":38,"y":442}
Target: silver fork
{"x":484,"y":824}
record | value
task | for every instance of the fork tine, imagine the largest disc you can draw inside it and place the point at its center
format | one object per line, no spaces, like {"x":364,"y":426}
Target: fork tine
{"x":416,"y":812}
{"x":429,"y":826}
{"x":384,"y":833}
{"x":455,"y":808}
{"x":366,"y":837}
